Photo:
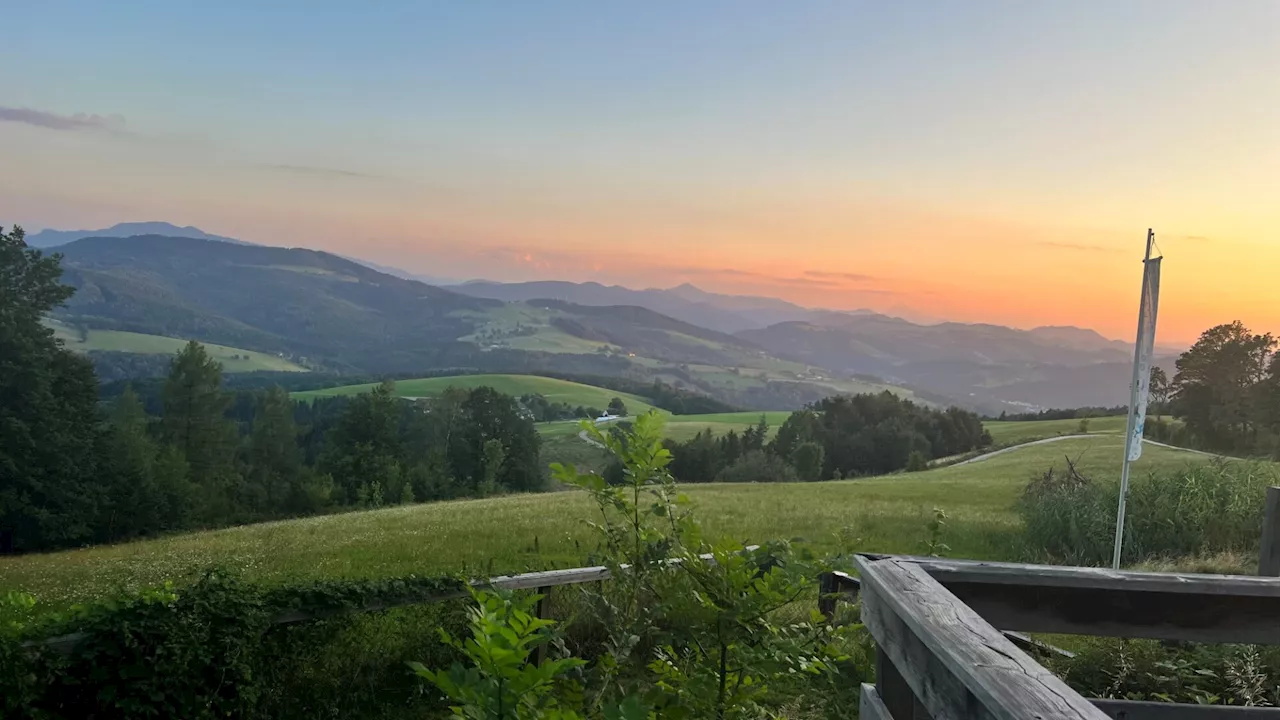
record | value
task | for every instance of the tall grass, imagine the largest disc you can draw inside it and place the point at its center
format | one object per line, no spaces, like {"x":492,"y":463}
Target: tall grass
{"x":1197,"y":510}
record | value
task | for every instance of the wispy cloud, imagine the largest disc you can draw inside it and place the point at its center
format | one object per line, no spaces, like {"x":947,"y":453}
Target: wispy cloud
{"x":316,"y":170}
{"x":851,"y":277}
{"x":1078,"y":247}
{"x":55,"y":121}
{"x":1193,"y":238}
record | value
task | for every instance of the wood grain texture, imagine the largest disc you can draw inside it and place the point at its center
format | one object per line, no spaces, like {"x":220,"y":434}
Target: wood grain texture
{"x":870,"y":706}
{"x":957,"y":664}
{"x":1132,"y":710}
{"x":1093,"y":601}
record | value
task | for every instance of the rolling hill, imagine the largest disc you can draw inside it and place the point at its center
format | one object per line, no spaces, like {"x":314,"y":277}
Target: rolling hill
{"x":554,"y":390}
{"x":233,"y":359}
{"x":993,"y":366}
{"x":521,"y":532}
{"x":332,"y":314}
{"x":306,"y":303}
{"x":714,"y":311}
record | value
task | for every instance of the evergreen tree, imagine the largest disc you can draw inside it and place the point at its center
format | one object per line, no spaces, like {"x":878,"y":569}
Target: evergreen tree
{"x":49,"y":495}
{"x":273,"y":479}
{"x":134,"y":504}
{"x":489,"y":415}
{"x":196,"y":425}
{"x":366,"y":448}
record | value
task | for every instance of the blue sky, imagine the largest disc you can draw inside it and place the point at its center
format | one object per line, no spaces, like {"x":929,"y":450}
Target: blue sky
{"x":662,"y":142}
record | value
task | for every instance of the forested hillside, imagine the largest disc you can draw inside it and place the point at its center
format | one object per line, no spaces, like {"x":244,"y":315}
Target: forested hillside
{"x":307,"y":303}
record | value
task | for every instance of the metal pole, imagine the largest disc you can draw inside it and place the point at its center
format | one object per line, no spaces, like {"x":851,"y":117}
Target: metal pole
{"x":1133,"y":405}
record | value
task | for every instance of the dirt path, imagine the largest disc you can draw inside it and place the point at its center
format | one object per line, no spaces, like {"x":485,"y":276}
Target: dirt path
{"x":1046,"y":441}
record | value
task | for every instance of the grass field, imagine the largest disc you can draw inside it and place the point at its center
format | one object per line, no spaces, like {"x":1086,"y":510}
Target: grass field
{"x":1014,"y":432}
{"x":683,"y":427}
{"x":515,"y":385}
{"x":233,"y":359}
{"x":524,"y":532}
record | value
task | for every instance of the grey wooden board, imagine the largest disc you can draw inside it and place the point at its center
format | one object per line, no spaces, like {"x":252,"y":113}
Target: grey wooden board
{"x":1132,"y":710}
{"x":957,"y":664}
{"x":1092,"y":601}
{"x":870,"y":707}
{"x":1269,"y":548}
{"x":947,"y":571}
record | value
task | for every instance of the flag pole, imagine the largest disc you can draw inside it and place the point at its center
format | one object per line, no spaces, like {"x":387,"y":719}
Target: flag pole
{"x":1146,"y":315}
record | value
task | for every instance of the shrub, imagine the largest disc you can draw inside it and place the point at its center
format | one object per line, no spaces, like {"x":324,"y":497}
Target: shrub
{"x":1150,"y":670}
{"x":758,"y":466}
{"x":210,"y":650}
{"x":917,"y":462}
{"x":1201,"y":509}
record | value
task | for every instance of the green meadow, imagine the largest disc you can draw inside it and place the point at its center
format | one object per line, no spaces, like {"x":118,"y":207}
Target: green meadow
{"x":526,"y":532}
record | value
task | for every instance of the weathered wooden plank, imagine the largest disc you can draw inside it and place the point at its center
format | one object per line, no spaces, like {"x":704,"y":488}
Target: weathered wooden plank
{"x":898,"y":697}
{"x":956,"y":664}
{"x":1026,"y":642}
{"x":947,"y":570}
{"x":827,"y":599}
{"x":870,"y":706}
{"x":1269,"y":550}
{"x":1133,"y":710}
{"x":1094,"y":601}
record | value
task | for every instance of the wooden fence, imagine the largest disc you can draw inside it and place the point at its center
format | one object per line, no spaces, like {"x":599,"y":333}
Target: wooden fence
{"x":942,"y":653}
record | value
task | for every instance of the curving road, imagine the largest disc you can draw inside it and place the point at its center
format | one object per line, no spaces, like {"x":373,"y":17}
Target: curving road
{"x":1056,"y":438}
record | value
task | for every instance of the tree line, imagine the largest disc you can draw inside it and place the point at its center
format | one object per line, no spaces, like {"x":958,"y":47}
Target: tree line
{"x":837,"y":437}
{"x":188,"y":453}
{"x":1226,"y":392}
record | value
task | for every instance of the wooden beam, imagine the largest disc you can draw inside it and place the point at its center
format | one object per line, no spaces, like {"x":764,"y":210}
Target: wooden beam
{"x":1269,"y":549}
{"x":870,"y":706}
{"x":1094,"y":601}
{"x":956,"y":664}
{"x":1133,"y":710}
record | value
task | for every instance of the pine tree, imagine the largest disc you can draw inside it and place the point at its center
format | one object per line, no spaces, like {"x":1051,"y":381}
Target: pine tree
{"x":49,"y":494}
{"x":196,"y":425}
{"x":273,"y":479}
{"x":366,"y":446}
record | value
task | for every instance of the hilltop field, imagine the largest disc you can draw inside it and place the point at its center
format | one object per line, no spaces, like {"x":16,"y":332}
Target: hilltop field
{"x":233,"y":359}
{"x":526,"y":532}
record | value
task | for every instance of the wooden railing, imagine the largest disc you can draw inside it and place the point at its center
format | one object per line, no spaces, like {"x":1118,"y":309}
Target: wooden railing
{"x":941,"y":652}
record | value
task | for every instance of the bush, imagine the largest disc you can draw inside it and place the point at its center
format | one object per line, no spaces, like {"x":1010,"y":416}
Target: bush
{"x":917,"y":462}
{"x":1201,"y":509}
{"x":758,"y":466}
{"x":210,"y":650}
{"x":1241,"y":675}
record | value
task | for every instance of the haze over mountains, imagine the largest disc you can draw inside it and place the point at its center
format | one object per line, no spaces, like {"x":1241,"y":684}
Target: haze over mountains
{"x":346,"y":316}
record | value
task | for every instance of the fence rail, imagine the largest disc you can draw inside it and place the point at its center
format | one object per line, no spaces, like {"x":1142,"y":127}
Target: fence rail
{"x":947,"y":646}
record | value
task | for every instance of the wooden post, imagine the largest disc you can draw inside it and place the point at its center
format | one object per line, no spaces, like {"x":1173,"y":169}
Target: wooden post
{"x":828,"y":586}
{"x":1269,"y":549}
{"x":896,"y":695}
{"x":540,"y":653}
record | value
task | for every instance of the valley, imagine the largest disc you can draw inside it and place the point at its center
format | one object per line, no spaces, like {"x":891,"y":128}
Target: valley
{"x":332,"y":316}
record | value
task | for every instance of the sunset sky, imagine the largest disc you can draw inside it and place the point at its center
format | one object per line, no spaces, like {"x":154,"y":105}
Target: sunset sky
{"x":984,"y":162}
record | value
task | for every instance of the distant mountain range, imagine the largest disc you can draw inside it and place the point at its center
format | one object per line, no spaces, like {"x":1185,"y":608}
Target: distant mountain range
{"x":1044,"y":367}
{"x":723,"y":313}
{"x":347,"y":316}
{"x":54,"y":238}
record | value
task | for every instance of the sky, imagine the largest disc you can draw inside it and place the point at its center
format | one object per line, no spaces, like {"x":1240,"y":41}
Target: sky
{"x":983,"y":162}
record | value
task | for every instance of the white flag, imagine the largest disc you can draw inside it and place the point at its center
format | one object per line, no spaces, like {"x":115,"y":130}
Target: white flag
{"x":1145,"y":351}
